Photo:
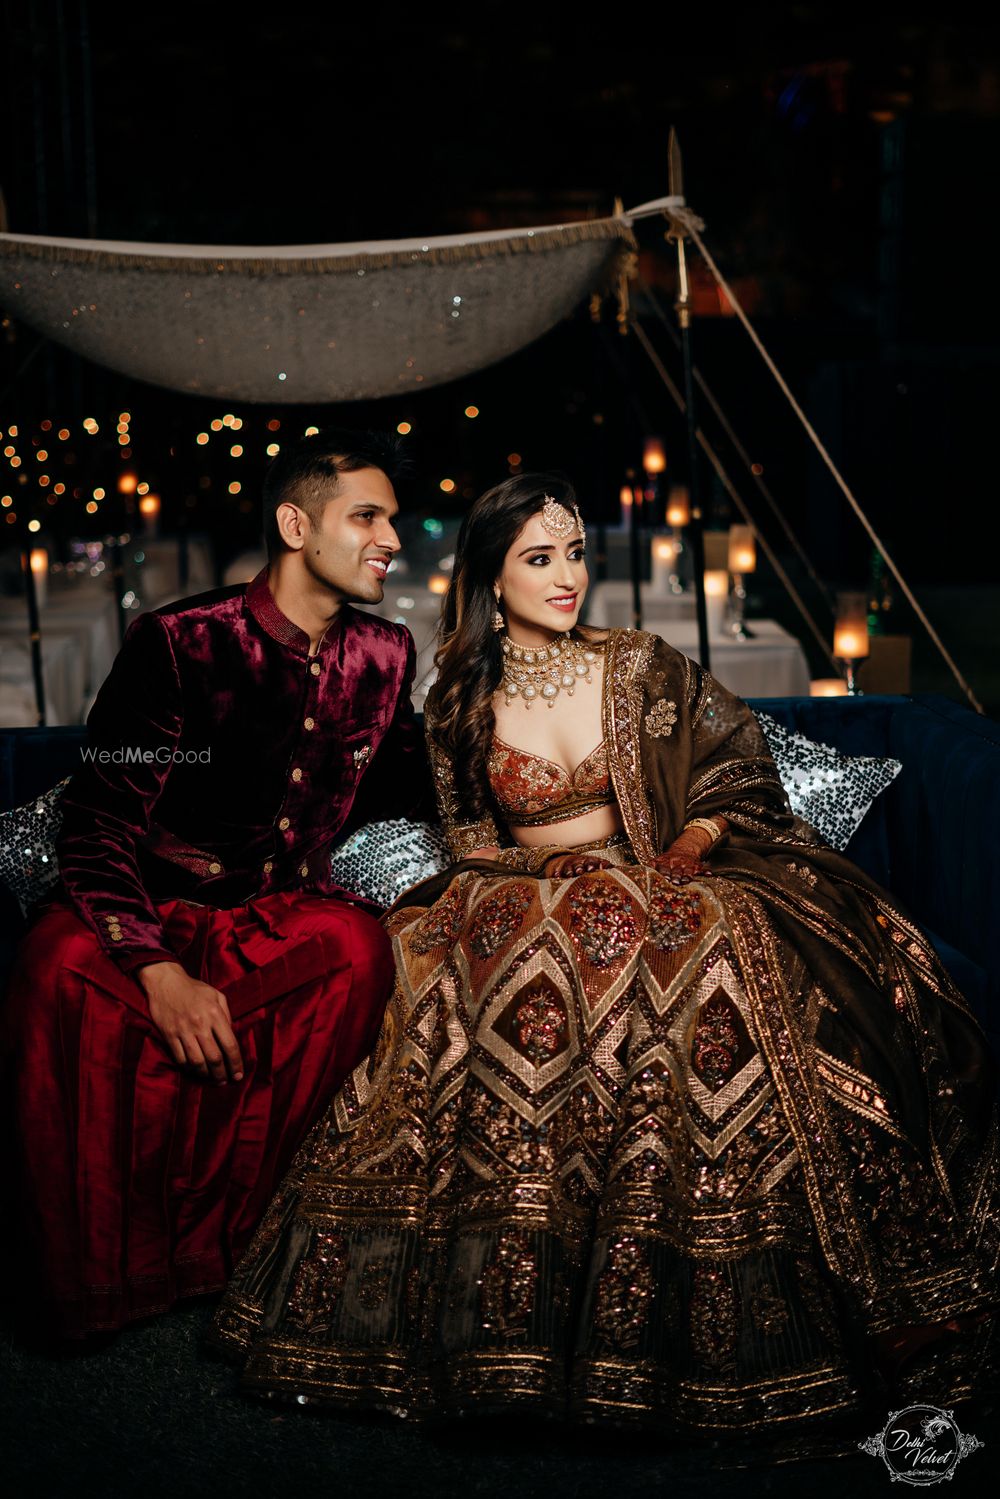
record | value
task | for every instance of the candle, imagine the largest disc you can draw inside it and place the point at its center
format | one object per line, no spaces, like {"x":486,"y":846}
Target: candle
{"x":849,"y":643}
{"x":39,"y":562}
{"x":678,"y":506}
{"x":662,"y":563}
{"x":716,"y":596}
{"x":149,"y":509}
{"x":625,"y":497}
{"x":438,"y":583}
{"x":742,"y":550}
{"x":828,"y":687}
{"x":654,"y":459}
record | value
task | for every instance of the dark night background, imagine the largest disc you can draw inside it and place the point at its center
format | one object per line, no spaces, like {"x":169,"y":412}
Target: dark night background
{"x":843,"y":158}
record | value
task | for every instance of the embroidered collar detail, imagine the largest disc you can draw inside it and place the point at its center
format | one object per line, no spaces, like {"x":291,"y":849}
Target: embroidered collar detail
{"x":260,"y":602}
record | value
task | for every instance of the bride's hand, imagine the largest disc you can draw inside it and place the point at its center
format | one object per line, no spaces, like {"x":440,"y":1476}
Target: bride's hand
{"x":682,"y":859}
{"x":562,"y":866}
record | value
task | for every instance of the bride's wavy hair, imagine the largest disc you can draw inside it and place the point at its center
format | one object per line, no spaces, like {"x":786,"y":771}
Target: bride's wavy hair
{"x":469,"y":659}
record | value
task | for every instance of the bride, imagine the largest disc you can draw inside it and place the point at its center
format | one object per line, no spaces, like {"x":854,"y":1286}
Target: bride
{"x":674,"y":1117}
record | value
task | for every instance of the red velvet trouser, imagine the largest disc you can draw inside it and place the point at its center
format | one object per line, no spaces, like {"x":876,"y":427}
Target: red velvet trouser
{"x":143,"y":1182}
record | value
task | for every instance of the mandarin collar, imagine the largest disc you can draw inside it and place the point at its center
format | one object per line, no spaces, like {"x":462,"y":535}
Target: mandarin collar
{"x":260,"y":602}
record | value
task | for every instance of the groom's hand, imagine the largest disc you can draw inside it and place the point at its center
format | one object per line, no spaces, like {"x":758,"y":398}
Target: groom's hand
{"x":193,"y":1019}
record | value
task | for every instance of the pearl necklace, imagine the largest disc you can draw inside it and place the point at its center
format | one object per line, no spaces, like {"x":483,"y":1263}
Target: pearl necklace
{"x":544,"y":671}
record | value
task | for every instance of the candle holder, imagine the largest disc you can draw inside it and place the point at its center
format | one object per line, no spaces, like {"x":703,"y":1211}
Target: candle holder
{"x":850,"y":636}
{"x":742,"y":560}
{"x":678,"y":515}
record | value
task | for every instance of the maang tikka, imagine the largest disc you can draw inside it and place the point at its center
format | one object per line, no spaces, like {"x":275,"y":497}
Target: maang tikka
{"x":560,"y":521}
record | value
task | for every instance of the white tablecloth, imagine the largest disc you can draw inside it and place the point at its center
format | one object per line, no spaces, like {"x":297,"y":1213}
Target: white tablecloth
{"x":772,"y":664}
{"x":610,"y":603}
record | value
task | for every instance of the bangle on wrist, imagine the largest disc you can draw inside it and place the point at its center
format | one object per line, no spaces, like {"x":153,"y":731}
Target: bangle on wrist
{"x":707,"y":826}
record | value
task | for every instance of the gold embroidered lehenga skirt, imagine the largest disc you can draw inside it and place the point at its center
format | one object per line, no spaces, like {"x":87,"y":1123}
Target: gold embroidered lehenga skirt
{"x":598,"y":1165}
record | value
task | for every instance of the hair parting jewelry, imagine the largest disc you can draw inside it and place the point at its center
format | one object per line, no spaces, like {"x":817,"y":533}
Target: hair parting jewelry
{"x":545,"y":671}
{"x":560,"y":521}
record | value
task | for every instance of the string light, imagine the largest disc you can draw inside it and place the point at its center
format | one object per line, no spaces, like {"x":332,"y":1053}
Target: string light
{"x":142,"y":489}
{"x":99,"y":494}
{"x":236,"y":451}
{"x":216,"y":425}
{"x":447,"y":485}
{"x":272,"y":448}
{"x":235,"y":487}
{"x":472,"y":411}
{"x":403,"y":428}
{"x":91,"y":507}
{"x":274,"y":425}
{"x":34,"y":525}
{"x":201,"y":439}
{"x":310,"y":432}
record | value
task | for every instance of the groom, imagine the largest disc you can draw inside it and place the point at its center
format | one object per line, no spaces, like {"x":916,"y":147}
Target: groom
{"x":187,"y":1007}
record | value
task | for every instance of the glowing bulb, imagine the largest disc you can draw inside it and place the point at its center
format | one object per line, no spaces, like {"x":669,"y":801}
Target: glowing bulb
{"x":142,"y":489}
{"x":98,"y":494}
{"x":272,"y":448}
{"x":310,"y":432}
{"x":447,"y":485}
{"x":216,"y":425}
{"x":471,"y":411}
{"x":90,"y":507}
{"x":235,"y":487}
{"x":654,"y":459}
{"x":201,"y":439}
{"x":403,"y":428}
{"x":34,"y":525}
{"x":236,"y":451}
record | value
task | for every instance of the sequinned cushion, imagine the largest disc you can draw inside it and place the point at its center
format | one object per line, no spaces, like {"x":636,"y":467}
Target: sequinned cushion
{"x":27,"y":846}
{"x":383,"y":859}
{"x":830,"y":790}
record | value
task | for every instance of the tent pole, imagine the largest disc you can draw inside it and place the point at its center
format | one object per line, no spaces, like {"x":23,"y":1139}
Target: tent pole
{"x":683,"y":306}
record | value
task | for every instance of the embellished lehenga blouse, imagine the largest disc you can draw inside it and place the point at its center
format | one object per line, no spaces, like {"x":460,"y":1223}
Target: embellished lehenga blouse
{"x":713,"y":1155}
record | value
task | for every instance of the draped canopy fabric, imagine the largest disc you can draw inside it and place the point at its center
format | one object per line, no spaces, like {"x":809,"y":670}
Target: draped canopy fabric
{"x":307,"y":323}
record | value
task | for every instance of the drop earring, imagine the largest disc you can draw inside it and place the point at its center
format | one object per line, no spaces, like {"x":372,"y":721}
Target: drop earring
{"x":498,"y":620}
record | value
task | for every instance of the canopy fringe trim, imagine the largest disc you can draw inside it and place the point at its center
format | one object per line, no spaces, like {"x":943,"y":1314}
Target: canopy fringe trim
{"x":530,"y":243}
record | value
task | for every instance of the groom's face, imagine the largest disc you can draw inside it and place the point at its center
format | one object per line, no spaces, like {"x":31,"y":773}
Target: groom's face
{"x":351,"y":546}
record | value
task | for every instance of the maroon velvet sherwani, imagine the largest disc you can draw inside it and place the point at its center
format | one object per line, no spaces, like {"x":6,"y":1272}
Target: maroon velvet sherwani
{"x":224,"y":763}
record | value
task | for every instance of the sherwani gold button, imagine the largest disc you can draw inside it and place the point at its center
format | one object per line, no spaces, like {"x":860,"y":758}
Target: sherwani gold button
{"x":304,"y":870}
{"x":215,"y":869}
{"x":268,"y":866}
{"x":115,"y":936}
{"x":284,"y":824}
{"x":296,"y":774}
{"x":315,"y":668}
{"x":310,"y":723}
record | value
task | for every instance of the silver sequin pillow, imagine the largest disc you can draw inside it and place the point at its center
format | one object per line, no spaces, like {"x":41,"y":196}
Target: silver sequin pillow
{"x":28,"y":846}
{"x":383,"y":859}
{"x":830,"y":790}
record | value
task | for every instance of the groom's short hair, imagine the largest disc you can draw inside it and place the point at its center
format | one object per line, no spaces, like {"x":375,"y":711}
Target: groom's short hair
{"x":302,"y":471}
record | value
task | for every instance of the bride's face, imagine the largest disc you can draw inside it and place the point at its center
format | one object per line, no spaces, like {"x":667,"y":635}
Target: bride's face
{"x":543,"y":583}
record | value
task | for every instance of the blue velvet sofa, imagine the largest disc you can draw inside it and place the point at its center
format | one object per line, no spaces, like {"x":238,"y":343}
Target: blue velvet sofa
{"x":931,"y":838}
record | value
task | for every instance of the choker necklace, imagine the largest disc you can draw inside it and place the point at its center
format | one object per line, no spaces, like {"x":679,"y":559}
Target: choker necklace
{"x":544,"y":670}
